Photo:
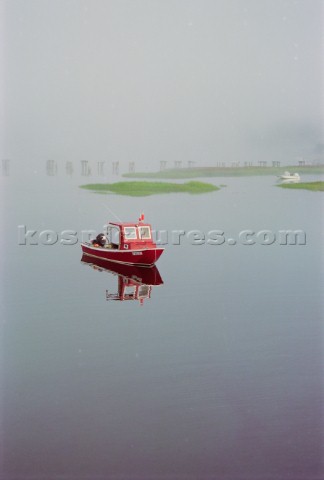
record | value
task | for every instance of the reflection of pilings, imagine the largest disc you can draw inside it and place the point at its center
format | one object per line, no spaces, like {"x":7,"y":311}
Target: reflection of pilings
{"x":301,"y":163}
{"x":131,"y":167}
{"x":5,"y":167}
{"x":262,"y":163}
{"x":248,"y":164}
{"x":163,"y":165}
{"x":191,"y":163}
{"x":69,"y":168}
{"x":177,"y":163}
{"x":115,"y":168}
{"x":275,"y":164}
{"x":100,"y":168}
{"x":235,"y":164}
{"x":85,"y":169}
{"x":51,"y":167}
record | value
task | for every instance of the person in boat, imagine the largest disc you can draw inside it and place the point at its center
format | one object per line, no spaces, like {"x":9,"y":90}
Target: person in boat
{"x":99,"y":241}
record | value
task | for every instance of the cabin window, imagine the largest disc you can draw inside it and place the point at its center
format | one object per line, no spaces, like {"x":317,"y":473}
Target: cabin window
{"x":130,"y":233}
{"x":145,"y":233}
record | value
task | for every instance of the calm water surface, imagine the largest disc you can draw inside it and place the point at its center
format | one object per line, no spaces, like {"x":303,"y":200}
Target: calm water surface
{"x":219,"y":375}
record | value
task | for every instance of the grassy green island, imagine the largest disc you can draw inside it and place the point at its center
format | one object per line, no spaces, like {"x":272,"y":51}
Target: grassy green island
{"x":201,"y":172}
{"x":312,"y":186}
{"x":144,"y":188}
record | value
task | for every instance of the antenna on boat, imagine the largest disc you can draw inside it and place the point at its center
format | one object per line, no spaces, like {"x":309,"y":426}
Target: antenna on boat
{"x":116,"y":216}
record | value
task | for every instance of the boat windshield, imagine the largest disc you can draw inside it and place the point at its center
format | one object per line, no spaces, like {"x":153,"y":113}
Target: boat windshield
{"x":144,"y":233}
{"x":130,"y":233}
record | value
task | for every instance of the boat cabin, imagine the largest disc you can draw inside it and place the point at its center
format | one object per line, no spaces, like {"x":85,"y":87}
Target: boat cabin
{"x":130,"y":236}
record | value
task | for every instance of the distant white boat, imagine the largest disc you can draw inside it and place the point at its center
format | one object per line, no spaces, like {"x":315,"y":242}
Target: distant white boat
{"x":294,"y":177}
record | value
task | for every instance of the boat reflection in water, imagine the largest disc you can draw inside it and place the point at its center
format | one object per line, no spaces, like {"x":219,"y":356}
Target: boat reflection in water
{"x":134,"y":283}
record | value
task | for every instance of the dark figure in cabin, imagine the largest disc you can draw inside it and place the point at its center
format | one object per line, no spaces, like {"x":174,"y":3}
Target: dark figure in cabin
{"x":99,"y":241}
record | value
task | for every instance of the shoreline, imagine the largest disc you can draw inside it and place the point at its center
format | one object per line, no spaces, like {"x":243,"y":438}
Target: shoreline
{"x":201,"y":172}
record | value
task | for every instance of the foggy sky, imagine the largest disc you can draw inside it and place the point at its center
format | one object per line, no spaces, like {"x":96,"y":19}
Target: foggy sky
{"x":149,"y":80}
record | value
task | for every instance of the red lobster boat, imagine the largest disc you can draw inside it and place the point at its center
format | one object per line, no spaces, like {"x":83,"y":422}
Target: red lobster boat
{"x":127,"y":243}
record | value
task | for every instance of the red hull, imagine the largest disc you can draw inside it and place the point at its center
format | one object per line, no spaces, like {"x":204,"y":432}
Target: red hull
{"x":140,"y":257}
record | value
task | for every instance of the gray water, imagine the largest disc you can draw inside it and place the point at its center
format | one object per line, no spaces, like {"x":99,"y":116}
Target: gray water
{"x":219,"y":375}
